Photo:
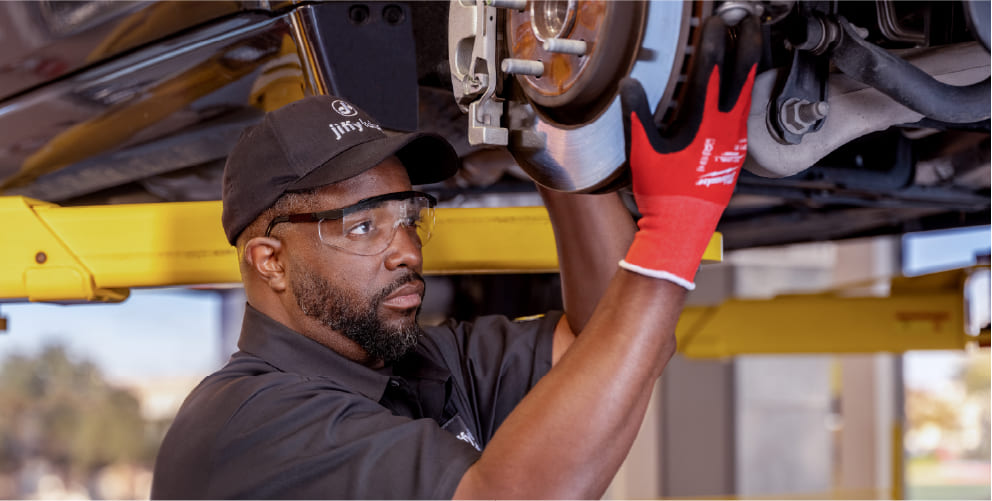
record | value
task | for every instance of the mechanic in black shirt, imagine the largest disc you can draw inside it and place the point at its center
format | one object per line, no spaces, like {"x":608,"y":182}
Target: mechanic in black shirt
{"x":336,"y":392}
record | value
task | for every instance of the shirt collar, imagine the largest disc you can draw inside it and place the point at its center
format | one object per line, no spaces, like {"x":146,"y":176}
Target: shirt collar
{"x":290,"y":351}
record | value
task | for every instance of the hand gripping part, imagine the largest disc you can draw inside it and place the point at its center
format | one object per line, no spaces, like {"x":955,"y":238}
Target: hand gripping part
{"x":682,"y":182}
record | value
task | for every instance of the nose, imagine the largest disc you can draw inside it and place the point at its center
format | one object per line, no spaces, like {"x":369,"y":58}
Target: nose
{"x":404,"y":250}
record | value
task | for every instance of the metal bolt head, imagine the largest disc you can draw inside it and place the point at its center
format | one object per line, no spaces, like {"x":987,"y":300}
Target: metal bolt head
{"x":798,"y":115}
{"x":40,"y":257}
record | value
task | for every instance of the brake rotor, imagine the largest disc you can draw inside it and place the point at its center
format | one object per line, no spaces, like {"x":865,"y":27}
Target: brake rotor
{"x":573,"y":106}
{"x":575,"y":87}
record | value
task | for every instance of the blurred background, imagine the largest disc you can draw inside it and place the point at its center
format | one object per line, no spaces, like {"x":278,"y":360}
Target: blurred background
{"x":88,"y":390}
{"x":838,"y":351}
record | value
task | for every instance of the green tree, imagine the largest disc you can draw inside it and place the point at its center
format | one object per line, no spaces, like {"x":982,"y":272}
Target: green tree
{"x":63,"y":410}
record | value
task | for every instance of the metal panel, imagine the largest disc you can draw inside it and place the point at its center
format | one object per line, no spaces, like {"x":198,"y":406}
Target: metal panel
{"x":97,"y":127}
{"x":365,"y":51}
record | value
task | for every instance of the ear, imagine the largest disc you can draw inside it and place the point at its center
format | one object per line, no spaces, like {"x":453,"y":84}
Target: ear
{"x":263,"y":255}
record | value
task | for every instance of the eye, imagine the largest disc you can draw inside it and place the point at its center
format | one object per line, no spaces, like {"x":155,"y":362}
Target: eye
{"x":360,"y":229}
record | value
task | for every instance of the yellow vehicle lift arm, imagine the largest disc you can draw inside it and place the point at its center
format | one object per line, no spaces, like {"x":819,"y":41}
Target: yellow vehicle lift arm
{"x":97,"y":253}
{"x":920,"y":313}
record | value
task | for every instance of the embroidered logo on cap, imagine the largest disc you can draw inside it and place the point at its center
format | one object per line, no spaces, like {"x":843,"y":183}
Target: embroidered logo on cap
{"x":341,"y":129}
{"x":343,"y":108}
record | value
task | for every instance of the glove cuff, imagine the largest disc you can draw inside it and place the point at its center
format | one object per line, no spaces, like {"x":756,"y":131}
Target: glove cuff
{"x":672,"y":237}
{"x":663,"y":275}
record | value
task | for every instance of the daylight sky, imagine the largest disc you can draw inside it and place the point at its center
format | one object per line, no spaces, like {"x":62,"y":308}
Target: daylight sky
{"x":154,"y":333}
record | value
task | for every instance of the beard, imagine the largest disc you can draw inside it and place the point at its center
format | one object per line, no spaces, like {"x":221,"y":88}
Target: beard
{"x":358,"y":318}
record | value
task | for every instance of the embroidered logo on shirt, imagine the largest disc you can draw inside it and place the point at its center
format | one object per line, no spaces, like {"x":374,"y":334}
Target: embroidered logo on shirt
{"x":457,"y":427}
{"x":467,"y":437}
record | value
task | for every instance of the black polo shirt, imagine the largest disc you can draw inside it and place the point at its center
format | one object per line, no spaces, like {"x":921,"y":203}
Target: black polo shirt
{"x":290,"y":418}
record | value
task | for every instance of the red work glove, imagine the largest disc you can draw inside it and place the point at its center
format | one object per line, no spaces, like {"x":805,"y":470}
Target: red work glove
{"x":682,"y":183}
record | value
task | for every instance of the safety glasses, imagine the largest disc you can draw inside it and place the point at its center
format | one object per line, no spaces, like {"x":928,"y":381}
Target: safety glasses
{"x":369,"y":226}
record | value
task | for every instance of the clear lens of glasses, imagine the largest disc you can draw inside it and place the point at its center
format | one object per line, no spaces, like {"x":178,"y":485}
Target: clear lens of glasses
{"x":369,"y":230}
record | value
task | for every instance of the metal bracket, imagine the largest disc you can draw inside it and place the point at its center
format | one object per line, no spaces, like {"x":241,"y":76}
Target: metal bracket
{"x":800,"y":106}
{"x":40,"y":265}
{"x":473,"y":71}
{"x":350,"y":49}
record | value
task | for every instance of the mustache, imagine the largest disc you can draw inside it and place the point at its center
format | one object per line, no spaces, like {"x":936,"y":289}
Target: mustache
{"x":400,"y":282}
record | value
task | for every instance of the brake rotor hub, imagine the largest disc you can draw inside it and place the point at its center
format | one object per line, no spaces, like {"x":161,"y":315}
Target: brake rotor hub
{"x":560,"y":116}
{"x":585,"y":47}
{"x":568,"y":135}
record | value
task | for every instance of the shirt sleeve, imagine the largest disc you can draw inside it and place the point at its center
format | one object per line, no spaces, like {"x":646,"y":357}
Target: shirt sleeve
{"x":308,"y":442}
{"x":494,"y":362}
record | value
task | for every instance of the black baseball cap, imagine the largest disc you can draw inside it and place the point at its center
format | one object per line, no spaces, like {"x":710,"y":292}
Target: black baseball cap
{"x":314,"y":142}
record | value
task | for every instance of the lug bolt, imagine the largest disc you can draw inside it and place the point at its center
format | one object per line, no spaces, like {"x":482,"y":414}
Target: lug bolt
{"x":566,"y":46}
{"x":522,"y":67}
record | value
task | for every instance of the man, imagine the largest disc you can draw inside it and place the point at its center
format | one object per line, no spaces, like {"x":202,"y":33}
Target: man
{"x":337,"y":393}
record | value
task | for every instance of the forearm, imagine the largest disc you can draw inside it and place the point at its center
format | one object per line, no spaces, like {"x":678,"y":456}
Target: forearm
{"x":569,"y":435}
{"x":592,"y":233}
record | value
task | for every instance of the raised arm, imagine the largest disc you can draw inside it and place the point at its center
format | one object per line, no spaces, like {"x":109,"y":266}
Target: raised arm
{"x":569,"y":435}
{"x":592,"y":233}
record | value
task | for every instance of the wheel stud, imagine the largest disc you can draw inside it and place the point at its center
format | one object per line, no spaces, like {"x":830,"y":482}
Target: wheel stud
{"x":507,"y":4}
{"x":522,"y":67}
{"x":566,"y":46}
